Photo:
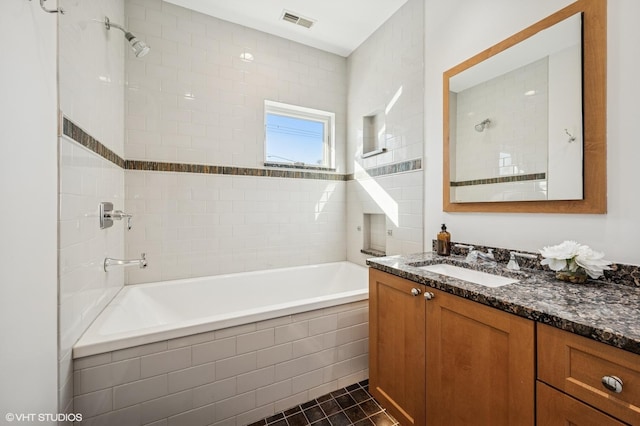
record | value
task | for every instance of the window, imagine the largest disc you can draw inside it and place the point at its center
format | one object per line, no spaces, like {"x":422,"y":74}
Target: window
{"x":298,"y":137}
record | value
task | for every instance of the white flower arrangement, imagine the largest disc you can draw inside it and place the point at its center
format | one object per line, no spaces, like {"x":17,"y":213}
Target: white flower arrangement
{"x":572,"y":256}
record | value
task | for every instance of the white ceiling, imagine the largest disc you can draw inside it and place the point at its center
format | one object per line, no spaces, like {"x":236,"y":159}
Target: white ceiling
{"x":341,"y":25}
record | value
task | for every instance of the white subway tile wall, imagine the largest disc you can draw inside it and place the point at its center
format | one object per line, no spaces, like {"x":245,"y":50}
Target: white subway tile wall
{"x":192,"y":99}
{"x":399,"y":198}
{"x":207,"y":379}
{"x":386,"y":74}
{"x":92,"y":62}
{"x":84,"y":288}
{"x":197,"y":225}
{"x":91,"y":85}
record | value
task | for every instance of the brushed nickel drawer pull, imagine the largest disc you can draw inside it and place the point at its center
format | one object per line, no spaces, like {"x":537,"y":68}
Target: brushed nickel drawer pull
{"x":613,"y":383}
{"x":415,"y":291}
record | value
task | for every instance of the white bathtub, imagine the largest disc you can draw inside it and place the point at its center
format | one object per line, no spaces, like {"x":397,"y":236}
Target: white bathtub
{"x":147,"y":313}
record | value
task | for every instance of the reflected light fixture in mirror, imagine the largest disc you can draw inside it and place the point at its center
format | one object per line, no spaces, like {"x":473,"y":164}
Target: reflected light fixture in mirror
{"x":594,"y":117}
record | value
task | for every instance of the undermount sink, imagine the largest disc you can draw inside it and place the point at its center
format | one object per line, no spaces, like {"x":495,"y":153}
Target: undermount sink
{"x":471,"y":275}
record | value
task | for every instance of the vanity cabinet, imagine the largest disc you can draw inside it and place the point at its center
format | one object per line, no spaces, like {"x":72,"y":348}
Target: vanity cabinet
{"x":396,"y":346}
{"x":555,"y":408}
{"x":579,"y":367}
{"x":480,"y":364}
{"x":445,"y":360}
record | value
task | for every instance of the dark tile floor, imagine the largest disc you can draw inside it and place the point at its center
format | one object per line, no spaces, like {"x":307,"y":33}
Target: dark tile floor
{"x":352,"y":405}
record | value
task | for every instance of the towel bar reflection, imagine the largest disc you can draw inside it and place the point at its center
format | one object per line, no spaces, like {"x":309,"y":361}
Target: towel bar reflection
{"x":58,"y":10}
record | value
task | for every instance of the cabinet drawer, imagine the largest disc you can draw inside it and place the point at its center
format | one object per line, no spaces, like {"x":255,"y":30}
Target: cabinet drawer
{"x":577,"y":365}
{"x":555,"y":408}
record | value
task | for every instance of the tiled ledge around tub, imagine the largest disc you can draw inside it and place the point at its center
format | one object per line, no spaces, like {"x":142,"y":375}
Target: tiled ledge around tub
{"x":372,"y":252}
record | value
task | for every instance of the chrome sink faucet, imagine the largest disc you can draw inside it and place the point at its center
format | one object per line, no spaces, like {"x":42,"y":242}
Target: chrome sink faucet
{"x":513,"y":262}
{"x":485,"y":256}
{"x":141,"y":263}
{"x":471,"y":254}
{"x":474,"y":254}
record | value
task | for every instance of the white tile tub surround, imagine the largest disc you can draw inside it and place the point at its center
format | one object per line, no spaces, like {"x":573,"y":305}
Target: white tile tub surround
{"x":194,"y":100}
{"x":91,"y":69}
{"x":194,"y":225}
{"x":91,"y":94}
{"x":231,"y":376}
{"x":84,"y":288}
{"x":146,"y":313}
{"x":386,"y":74}
{"x":399,"y":198}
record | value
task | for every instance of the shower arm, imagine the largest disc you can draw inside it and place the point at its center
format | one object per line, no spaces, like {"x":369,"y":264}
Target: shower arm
{"x":108,"y":24}
{"x":139,"y":47}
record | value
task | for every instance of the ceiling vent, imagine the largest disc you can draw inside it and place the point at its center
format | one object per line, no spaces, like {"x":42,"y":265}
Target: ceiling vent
{"x":294,"y":18}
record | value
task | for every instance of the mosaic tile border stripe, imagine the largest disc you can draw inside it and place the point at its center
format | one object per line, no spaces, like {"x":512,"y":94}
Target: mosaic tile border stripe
{"x":228,"y":170}
{"x":77,"y":134}
{"x":502,"y":179}
{"x":73,"y":131}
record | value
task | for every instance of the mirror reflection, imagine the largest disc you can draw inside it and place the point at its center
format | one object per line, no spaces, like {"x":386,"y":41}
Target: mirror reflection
{"x":515,"y":121}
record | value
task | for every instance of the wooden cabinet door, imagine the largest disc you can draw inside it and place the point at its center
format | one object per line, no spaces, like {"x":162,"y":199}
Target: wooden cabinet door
{"x":479,"y":364}
{"x":396,"y":346}
{"x":555,"y":408}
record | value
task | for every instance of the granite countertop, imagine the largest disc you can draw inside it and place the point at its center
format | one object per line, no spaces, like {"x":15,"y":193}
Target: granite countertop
{"x":608,"y":313}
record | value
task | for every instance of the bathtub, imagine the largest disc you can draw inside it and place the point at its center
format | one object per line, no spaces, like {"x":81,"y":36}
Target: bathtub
{"x":145,"y":313}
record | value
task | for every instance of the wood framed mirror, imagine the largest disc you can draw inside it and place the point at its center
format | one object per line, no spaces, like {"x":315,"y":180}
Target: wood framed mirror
{"x":592,"y":197}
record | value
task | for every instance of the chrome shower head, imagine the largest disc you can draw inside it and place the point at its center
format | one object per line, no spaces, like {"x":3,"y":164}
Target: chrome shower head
{"x":482,"y":125}
{"x":139,"y":47}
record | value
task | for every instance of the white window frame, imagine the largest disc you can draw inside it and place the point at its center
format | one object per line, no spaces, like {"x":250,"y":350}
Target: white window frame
{"x":325,"y":117}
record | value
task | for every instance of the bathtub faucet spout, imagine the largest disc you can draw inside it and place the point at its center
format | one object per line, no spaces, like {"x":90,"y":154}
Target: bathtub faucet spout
{"x":142,"y":262}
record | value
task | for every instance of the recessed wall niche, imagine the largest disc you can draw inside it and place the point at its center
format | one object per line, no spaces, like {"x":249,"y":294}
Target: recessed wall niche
{"x":374,"y":233}
{"x":373,"y":131}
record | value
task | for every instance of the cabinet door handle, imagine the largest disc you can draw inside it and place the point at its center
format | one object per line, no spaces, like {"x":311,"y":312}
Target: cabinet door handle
{"x":428,"y":295}
{"x":613,"y":383}
{"x":415,"y":291}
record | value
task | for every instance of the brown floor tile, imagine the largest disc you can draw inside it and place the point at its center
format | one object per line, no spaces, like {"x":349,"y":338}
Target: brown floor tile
{"x":370,"y":407}
{"x":351,"y":406}
{"x":345,"y":401}
{"x":314,"y":413}
{"x":330,"y":407}
{"x":355,"y":413}
{"x":339,"y":419}
{"x":297,"y":419}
